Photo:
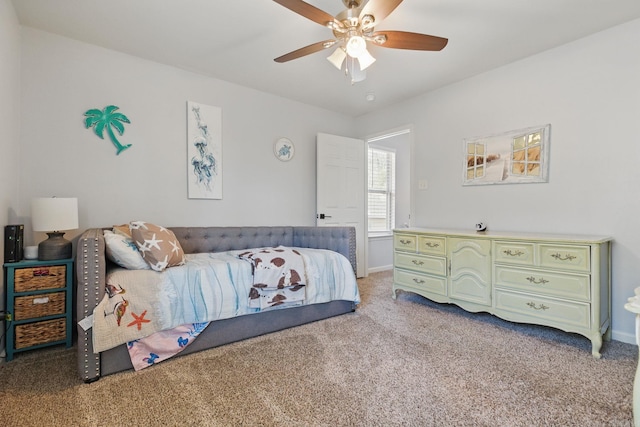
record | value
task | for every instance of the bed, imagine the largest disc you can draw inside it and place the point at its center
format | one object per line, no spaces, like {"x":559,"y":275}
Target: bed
{"x":92,"y":268}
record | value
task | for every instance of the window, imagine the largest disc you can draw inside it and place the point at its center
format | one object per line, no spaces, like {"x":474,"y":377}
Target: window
{"x":382,"y":189}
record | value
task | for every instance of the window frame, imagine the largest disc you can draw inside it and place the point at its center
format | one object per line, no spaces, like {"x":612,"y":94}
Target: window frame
{"x":389,"y":191}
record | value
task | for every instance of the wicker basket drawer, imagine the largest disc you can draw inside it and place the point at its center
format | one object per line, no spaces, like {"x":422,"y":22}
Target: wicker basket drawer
{"x":32,"y":306}
{"x":38,"y":278}
{"x":31,"y":334}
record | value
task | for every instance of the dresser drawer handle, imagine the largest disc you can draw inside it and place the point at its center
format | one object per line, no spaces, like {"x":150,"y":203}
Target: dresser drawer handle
{"x":533,"y":280}
{"x":533,"y":305}
{"x":567,"y":257}
{"x":416,"y":262}
{"x":406,"y":242}
{"x":432,"y":245}
{"x":516,"y":253}
{"x":418,"y":281}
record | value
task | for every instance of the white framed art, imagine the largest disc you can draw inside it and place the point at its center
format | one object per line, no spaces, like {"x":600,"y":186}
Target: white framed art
{"x":515,"y":157}
{"x":204,"y":151}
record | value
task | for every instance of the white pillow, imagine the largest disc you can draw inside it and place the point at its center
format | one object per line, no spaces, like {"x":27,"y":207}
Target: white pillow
{"x":123,"y":251}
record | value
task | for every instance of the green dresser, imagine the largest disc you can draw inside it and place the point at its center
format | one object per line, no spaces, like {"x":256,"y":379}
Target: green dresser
{"x":561,"y":281}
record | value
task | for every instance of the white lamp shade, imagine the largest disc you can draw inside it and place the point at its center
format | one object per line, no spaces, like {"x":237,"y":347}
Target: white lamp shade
{"x":356,"y":45}
{"x":365,"y":59}
{"x":337,"y":58}
{"x":54,"y":214}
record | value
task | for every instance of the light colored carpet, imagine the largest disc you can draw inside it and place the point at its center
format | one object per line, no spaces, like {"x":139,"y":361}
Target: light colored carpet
{"x":404,"y":362}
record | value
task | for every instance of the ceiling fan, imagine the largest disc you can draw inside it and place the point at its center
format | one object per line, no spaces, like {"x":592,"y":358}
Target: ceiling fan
{"x":352,"y":29}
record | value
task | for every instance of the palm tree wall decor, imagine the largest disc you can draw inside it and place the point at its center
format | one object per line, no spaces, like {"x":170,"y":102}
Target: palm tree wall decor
{"x":108,"y":119}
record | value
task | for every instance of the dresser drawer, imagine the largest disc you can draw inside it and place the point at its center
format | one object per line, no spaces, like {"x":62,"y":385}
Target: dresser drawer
{"x":405,"y":242}
{"x":432,"y":245}
{"x":551,"y":283}
{"x":515,"y":253}
{"x":569,"y":257}
{"x":433,"y":284}
{"x":31,"y":334}
{"x":34,"y":306}
{"x":559,"y":313}
{"x":38,"y":278}
{"x":423,"y":264}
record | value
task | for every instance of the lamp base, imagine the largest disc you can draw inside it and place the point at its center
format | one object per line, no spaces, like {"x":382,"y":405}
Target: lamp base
{"x":55,"y":247}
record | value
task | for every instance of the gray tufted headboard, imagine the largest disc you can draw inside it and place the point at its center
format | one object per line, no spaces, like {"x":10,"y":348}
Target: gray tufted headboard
{"x":220,"y":239}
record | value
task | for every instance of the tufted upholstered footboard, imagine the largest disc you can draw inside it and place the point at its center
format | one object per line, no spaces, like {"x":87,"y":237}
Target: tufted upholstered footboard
{"x":92,"y":266}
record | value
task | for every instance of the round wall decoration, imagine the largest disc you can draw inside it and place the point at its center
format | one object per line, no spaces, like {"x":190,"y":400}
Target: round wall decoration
{"x":284,"y":149}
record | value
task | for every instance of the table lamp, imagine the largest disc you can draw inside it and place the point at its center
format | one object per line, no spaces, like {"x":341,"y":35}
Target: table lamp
{"x":51,"y":215}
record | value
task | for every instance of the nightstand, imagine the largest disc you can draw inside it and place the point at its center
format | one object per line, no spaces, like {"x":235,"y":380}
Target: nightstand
{"x":39,"y":301}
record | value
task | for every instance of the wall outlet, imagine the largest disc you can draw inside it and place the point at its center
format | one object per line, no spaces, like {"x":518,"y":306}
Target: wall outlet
{"x":423,"y":184}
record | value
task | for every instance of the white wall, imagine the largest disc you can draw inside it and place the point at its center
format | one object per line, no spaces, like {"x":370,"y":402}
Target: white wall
{"x":589,"y":91}
{"x":9,"y":126}
{"x":62,"y":78}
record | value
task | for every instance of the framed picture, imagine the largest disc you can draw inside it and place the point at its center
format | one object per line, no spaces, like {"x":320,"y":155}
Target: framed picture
{"x":204,"y":151}
{"x":515,"y":157}
{"x":284,"y":149}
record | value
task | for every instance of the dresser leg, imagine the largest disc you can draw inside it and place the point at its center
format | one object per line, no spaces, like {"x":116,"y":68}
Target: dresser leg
{"x":596,"y":345}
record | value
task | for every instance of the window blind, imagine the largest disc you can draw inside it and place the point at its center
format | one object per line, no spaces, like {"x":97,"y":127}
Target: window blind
{"x":381,"y":183}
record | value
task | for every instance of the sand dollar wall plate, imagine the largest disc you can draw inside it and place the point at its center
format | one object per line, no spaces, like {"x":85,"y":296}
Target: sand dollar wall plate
{"x":284,"y":149}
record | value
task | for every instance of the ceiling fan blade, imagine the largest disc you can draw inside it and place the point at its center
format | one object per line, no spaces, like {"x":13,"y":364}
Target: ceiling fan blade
{"x":379,"y":9}
{"x":307,"y":50}
{"x":308,"y":11}
{"x":411,"y":41}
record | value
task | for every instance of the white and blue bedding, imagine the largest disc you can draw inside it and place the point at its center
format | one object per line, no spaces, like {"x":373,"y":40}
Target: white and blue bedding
{"x":208,"y":287}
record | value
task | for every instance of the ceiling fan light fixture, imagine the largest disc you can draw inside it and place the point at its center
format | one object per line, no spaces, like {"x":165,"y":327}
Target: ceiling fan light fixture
{"x":337,"y":57}
{"x":354,"y":70}
{"x":368,"y":21}
{"x":352,"y":29}
{"x":356,"y":46}
{"x":365,"y":59}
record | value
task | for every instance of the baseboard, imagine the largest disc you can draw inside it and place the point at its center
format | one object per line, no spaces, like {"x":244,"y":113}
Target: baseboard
{"x":624,"y":337}
{"x":379,"y":269}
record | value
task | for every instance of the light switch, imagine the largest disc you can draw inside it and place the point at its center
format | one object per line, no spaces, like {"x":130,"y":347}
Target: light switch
{"x":422,"y":184}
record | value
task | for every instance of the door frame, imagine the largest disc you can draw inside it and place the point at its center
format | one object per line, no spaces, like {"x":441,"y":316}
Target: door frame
{"x":390,"y":133}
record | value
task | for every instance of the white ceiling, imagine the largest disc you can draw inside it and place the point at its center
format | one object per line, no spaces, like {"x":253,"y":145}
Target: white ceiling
{"x":236,"y":40}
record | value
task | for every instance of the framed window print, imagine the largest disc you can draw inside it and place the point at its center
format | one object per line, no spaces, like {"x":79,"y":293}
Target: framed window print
{"x":515,"y":157}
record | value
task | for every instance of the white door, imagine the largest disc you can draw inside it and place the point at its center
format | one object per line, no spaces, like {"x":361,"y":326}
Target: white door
{"x":341,"y":187}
